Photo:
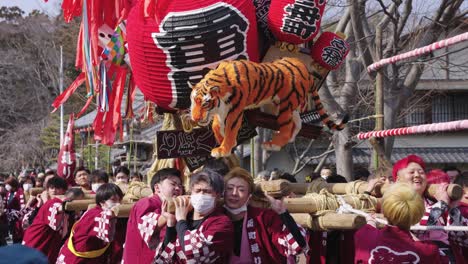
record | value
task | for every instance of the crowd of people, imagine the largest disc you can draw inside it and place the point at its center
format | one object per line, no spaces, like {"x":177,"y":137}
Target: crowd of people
{"x":212,"y":221}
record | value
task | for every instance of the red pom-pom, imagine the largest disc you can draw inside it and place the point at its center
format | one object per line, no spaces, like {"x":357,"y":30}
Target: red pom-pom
{"x":330,"y":50}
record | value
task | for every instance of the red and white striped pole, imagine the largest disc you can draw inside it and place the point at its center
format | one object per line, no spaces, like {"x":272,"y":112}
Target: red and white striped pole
{"x":420,"y":51}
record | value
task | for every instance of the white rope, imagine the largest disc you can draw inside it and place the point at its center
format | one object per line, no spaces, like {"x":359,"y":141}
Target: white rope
{"x":444,"y":228}
{"x":347,"y":208}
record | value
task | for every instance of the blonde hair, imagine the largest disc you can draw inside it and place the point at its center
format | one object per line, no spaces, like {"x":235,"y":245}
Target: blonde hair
{"x":402,"y":206}
{"x":239,"y":172}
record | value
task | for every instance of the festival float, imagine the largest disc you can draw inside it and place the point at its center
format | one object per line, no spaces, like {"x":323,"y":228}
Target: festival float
{"x":214,"y":70}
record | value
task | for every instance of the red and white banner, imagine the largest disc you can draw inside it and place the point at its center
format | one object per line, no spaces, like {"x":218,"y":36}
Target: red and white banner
{"x":66,"y":161}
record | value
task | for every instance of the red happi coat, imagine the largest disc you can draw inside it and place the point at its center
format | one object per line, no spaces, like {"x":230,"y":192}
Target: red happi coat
{"x":392,"y":245}
{"x":94,"y":231}
{"x":459,"y":239}
{"x":45,"y":233}
{"x":143,"y":236}
{"x":211,"y":242}
{"x":269,"y":239}
{"x":16,"y":202}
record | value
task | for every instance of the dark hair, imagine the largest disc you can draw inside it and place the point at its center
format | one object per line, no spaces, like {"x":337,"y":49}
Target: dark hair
{"x":81,"y":169}
{"x":122,"y":169}
{"x":138,"y":175}
{"x":217,"y":165}
{"x":30,"y":178}
{"x":13,"y":182}
{"x":57,"y":182}
{"x":163,"y":174}
{"x":361,"y":173}
{"x":106,"y":191}
{"x":451,"y":168}
{"x":214,"y":179}
{"x":50,"y":172}
{"x":99,"y":175}
{"x":73,"y":193}
{"x":288,"y":177}
{"x":336,"y":179}
{"x":462,"y":179}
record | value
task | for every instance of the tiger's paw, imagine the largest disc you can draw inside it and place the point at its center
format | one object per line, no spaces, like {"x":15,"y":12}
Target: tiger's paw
{"x":220,"y":152}
{"x":270,"y":146}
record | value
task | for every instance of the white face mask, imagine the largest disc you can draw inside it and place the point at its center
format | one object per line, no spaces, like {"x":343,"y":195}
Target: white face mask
{"x":122,"y":181}
{"x":8,"y":187}
{"x":27,"y":186}
{"x":202,"y":203}
{"x":110,"y":204}
{"x":95,"y":186}
{"x":239,"y":210}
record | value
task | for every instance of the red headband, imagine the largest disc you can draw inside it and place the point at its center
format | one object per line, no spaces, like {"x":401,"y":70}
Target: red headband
{"x":403,"y":163}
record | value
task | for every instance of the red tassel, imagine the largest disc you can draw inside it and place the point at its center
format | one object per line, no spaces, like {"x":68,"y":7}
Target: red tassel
{"x":97,"y":125}
{"x":88,"y":102}
{"x":63,"y":97}
{"x":130,"y":98}
{"x":114,"y":115}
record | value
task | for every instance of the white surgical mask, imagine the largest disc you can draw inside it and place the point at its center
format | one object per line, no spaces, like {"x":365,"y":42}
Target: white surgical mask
{"x":239,"y":210}
{"x":8,"y":187}
{"x":27,"y":186}
{"x":95,"y":186}
{"x":202,"y":203}
{"x":110,"y":204}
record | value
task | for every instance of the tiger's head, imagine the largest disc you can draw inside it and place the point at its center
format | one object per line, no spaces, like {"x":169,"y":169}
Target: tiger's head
{"x":205,"y":101}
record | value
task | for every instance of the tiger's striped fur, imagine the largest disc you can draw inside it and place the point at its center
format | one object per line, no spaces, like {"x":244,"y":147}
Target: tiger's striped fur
{"x":224,"y":93}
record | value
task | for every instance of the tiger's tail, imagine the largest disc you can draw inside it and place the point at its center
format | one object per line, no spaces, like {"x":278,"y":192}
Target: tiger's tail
{"x":324,"y":116}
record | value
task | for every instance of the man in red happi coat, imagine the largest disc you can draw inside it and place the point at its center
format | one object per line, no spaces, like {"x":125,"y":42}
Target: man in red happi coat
{"x":146,"y":226}
{"x":204,"y":236}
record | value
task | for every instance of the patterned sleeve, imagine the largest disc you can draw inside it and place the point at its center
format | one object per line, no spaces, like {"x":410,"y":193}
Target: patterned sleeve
{"x":283,"y":238}
{"x":55,"y":215}
{"x":104,"y":226}
{"x":458,"y":217}
{"x":210,"y":243}
{"x":147,"y":226}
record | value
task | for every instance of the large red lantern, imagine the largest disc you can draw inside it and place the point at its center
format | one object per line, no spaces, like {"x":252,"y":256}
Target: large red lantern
{"x":183,"y":40}
{"x":330,"y":50}
{"x":295,"y":21}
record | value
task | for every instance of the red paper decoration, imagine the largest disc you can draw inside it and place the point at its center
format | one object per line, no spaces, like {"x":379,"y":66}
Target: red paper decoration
{"x":330,"y":50}
{"x":295,"y":21}
{"x":179,"y":41}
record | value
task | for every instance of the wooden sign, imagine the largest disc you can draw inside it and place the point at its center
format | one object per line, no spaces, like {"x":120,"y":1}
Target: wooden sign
{"x":194,"y":163}
{"x":177,"y":143}
{"x":196,"y":144}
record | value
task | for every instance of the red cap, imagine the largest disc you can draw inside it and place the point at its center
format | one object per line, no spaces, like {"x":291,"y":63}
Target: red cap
{"x":403,"y":163}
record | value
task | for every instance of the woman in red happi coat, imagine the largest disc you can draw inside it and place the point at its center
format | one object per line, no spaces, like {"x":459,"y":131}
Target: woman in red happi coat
{"x":92,"y":235}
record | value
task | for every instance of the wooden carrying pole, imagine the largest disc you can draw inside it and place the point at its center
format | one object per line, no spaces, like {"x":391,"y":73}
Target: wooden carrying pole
{"x":329,"y":221}
{"x":280,"y":188}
